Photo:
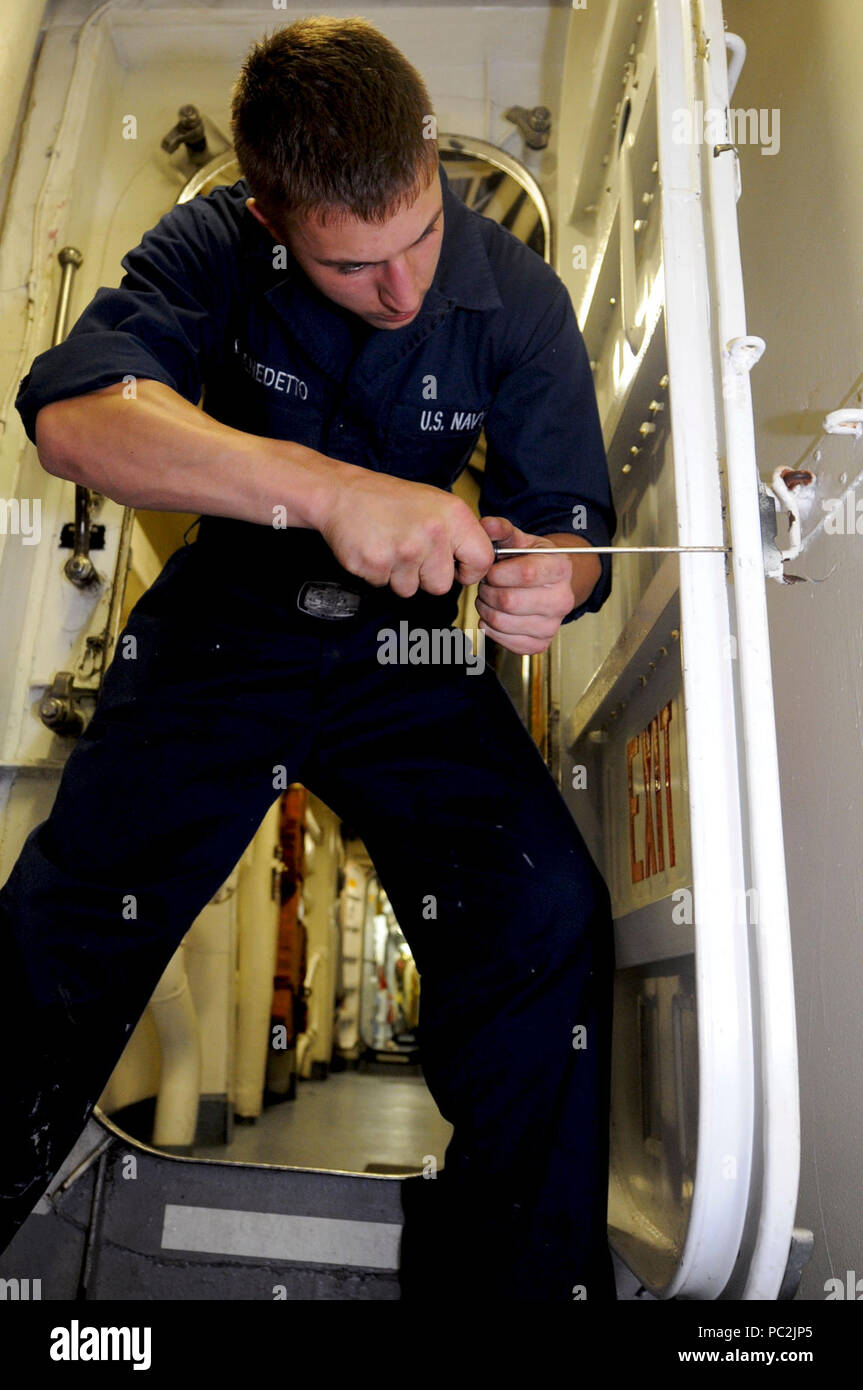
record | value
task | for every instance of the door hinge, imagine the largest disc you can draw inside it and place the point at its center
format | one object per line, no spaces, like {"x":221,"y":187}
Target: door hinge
{"x":802,"y":1245}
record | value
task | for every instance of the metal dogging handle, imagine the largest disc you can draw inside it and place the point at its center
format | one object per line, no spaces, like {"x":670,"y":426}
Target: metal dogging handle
{"x":500,"y":549}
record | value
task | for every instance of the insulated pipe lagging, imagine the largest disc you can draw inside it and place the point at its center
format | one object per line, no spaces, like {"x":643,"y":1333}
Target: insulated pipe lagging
{"x":306,"y":1040}
{"x":173,"y":1013}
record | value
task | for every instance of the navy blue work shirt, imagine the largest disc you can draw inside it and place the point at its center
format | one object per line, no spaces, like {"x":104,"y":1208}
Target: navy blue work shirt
{"x":207,"y":308}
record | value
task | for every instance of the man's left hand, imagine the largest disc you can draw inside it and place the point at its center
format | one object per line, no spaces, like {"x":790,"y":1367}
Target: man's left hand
{"x":523,"y":598}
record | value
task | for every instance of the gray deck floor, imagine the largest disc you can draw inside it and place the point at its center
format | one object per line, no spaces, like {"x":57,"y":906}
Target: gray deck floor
{"x":352,"y":1121}
{"x":359,"y":1122}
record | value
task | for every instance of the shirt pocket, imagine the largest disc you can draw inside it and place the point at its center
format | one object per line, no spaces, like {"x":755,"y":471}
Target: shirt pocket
{"x":248,"y":406}
{"x":431,"y":442}
{"x":300,"y":421}
{"x":263,"y":389}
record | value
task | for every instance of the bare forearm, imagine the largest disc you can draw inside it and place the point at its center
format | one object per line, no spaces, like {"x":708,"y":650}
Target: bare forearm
{"x":158,"y":451}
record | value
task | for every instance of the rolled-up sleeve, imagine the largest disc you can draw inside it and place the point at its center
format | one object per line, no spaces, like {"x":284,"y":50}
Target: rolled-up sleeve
{"x":544,"y":449}
{"x":161,"y":323}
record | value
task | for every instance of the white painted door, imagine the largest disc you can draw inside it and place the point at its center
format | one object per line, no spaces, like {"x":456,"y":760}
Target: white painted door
{"x":667,"y":741}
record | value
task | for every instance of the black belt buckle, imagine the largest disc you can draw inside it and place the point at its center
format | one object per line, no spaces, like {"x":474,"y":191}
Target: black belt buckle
{"x":323,"y":598}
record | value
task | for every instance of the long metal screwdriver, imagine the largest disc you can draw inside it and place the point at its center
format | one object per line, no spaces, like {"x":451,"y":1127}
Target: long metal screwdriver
{"x":500,"y":549}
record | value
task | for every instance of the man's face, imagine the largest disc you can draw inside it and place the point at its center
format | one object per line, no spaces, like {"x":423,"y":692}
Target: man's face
{"x":379,"y":271}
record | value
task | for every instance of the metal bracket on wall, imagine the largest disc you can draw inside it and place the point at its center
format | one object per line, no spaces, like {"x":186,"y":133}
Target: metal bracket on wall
{"x":59,"y":709}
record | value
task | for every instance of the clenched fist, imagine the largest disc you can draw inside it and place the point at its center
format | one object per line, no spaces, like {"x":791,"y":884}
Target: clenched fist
{"x":523,"y":598}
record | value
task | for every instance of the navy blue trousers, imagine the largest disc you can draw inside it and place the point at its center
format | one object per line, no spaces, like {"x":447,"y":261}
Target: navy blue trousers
{"x":506,"y":913}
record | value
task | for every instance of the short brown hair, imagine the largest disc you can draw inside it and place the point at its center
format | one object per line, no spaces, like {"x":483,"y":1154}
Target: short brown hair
{"x":327,"y":114}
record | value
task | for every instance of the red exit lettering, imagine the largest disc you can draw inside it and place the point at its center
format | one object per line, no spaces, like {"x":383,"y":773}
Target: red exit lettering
{"x":655,"y":778}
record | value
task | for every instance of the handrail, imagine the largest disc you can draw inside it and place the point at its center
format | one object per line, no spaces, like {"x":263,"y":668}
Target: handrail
{"x":79,"y":568}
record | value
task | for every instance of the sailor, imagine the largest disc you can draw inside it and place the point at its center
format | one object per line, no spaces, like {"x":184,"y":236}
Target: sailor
{"x":350,"y":327}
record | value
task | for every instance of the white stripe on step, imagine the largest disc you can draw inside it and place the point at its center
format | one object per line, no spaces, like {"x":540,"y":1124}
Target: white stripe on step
{"x":273,"y":1236}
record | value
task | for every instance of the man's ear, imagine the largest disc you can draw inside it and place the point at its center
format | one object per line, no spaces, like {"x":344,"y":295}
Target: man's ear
{"x":256,"y":213}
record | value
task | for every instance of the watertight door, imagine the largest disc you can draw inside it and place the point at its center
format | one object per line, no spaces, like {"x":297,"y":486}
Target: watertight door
{"x":667,"y":741}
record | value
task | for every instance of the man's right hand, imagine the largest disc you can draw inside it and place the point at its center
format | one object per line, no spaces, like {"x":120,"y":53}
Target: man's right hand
{"x":154,"y":449}
{"x":412,"y":536}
